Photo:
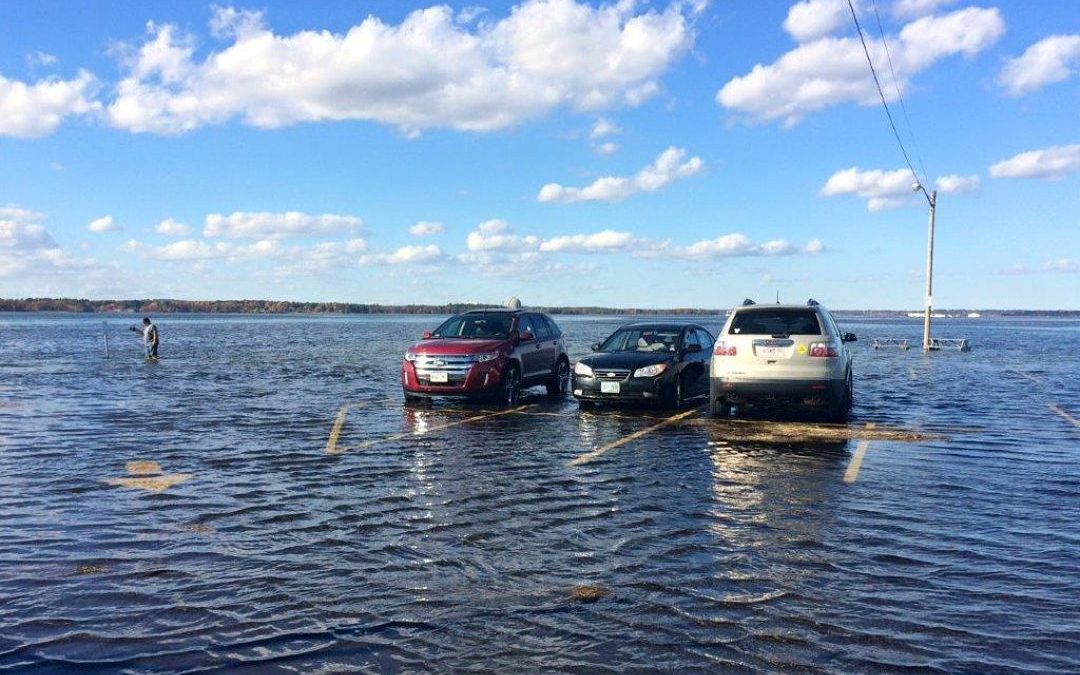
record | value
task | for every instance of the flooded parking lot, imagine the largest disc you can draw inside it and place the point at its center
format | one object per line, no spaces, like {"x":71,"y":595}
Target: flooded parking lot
{"x":260,"y":498}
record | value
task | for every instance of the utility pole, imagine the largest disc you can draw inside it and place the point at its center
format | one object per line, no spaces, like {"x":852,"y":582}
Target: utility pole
{"x":929,"y":274}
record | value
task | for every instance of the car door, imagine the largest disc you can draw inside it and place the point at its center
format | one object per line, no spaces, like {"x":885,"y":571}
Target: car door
{"x":547,"y":345}
{"x":532,"y":366}
{"x":691,"y":366}
{"x":705,"y":356}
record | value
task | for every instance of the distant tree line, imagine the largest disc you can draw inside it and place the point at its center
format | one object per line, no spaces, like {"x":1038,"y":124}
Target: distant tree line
{"x":168,"y":306}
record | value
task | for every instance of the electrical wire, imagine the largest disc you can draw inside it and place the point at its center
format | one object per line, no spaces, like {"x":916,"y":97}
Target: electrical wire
{"x":881,"y":93}
{"x":899,"y":96}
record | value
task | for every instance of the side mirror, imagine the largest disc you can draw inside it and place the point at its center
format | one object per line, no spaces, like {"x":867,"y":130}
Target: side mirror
{"x":427,"y":335}
{"x":690,"y":349}
{"x":525,"y":336}
{"x":595,"y":346}
{"x":849,"y":337}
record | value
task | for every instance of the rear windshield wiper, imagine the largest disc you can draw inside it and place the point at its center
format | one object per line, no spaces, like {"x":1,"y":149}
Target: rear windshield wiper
{"x":782,"y":336}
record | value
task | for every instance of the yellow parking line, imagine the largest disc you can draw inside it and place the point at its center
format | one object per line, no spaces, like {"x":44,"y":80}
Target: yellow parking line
{"x":440,"y":427}
{"x":1058,"y":411}
{"x":335,"y":431}
{"x":590,"y":456}
{"x":860,"y":451}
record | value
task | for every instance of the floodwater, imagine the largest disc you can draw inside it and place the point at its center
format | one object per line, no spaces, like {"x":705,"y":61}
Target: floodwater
{"x":186,"y":514}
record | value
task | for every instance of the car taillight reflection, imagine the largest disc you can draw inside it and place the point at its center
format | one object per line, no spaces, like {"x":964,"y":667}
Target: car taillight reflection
{"x":724,"y":349}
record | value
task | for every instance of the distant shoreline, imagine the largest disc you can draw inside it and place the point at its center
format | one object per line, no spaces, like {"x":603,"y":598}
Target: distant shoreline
{"x":170,"y":306}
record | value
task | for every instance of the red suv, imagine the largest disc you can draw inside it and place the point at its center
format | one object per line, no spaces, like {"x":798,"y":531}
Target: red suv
{"x":487,"y":353}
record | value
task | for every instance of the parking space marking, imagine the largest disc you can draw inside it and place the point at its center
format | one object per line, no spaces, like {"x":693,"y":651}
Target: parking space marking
{"x":335,"y":431}
{"x":591,"y":455}
{"x":1058,"y":411}
{"x":856,"y":461}
{"x":439,"y":427}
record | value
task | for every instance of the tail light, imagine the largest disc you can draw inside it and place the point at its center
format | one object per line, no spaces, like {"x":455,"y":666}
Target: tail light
{"x":724,"y":349}
{"x":823,"y":349}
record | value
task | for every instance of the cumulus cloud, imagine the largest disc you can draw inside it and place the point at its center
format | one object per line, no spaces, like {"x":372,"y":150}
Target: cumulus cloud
{"x":103,"y":224}
{"x":35,"y":110}
{"x":28,"y":251}
{"x":497,"y":235}
{"x":607,"y":148}
{"x":431,"y":70}
{"x":829,"y":71}
{"x":955,"y":184}
{"x":669,"y":165}
{"x":41,"y":59}
{"x":1051,"y":163}
{"x":607,"y":240}
{"x":196,"y":250}
{"x":267,"y":225}
{"x":1062,"y":265}
{"x":882,"y":189}
{"x":603,"y":128}
{"x":172,"y":228}
{"x":406,"y":255}
{"x":912,"y":9}
{"x":426,"y":228}
{"x":734,"y":245}
{"x":812,"y":19}
{"x":1050,"y":60}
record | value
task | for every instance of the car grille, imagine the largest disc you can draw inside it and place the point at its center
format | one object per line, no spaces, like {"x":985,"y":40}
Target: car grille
{"x":611,"y":374}
{"x":456,"y":367}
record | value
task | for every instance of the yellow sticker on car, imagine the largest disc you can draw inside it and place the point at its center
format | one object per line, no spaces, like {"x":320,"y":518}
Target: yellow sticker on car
{"x":802,"y":350}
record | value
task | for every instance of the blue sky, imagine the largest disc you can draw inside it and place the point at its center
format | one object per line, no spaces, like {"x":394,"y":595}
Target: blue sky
{"x":651,"y":154}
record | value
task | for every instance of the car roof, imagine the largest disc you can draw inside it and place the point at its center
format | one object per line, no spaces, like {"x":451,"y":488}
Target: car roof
{"x":751,"y":308}
{"x":496,"y":310}
{"x":661,"y":325}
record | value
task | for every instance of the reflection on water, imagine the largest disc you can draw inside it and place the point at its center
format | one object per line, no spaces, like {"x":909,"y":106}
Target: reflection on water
{"x":457,"y":536}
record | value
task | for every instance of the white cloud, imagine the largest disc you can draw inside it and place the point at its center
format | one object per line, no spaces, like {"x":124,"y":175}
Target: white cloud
{"x":41,"y":59}
{"x":267,"y":225}
{"x":497,"y":235}
{"x":812,"y":19}
{"x":605,"y":241}
{"x":172,"y":228}
{"x":35,"y":110}
{"x":668,"y":166}
{"x":882,"y":189}
{"x":428,"y":71}
{"x":1051,"y":163}
{"x":608,"y":148}
{"x":956,"y":184}
{"x":734,"y":245}
{"x":603,"y":128}
{"x":28,"y":251}
{"x":1050,"y":60}
{"x":829,"y":71}
{"x":195,"y":250}
{"x":103,"y":224}
{"x":912,"y":9}
{"x":426,"y":228}
{"x":1062,"y":265}
{"x":406,"y":255}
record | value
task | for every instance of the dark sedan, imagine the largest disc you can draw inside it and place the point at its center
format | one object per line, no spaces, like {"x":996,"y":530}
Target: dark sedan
{"x":665,"y":363}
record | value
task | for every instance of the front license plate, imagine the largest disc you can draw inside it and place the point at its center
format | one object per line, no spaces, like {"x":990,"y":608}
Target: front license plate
{"x":609,"y":387}
{"x":771,"y":352}
{"x":437,"y":378}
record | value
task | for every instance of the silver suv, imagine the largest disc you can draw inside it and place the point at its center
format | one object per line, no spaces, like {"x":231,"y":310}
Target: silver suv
{"x":794,"y":354}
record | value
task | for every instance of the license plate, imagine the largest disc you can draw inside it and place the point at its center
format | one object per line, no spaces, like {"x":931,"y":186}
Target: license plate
{"x":771,"y":352}
{"x":609,"y":387}
{"x":437,"y":378}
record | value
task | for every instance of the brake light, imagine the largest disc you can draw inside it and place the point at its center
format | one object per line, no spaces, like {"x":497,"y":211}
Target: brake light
{"x":724,"y":349}
{"x":823,"y":349}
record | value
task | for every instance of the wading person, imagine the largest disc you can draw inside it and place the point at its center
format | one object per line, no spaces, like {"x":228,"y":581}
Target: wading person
{"x":149,"y":336}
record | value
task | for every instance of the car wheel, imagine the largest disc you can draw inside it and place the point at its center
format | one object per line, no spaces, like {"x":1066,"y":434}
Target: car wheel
{"x":560,"y":379}
{"x":511,"y":385}
{"x":850,"y":391}
{"x":675,"y":397}
{"x":721,"y":408}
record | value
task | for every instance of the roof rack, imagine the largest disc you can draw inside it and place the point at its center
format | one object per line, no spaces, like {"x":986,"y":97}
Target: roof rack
{"x":747,"y":302}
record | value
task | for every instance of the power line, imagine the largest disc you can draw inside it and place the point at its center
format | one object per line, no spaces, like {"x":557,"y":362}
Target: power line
{"x":900,"y":96}
{"x":881,"y":93}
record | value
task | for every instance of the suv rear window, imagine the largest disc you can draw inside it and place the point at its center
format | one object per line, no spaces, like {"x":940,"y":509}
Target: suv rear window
{"x":775,"y":322}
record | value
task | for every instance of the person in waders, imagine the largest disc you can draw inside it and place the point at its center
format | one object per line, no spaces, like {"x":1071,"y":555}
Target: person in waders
{"x":149,"y":336}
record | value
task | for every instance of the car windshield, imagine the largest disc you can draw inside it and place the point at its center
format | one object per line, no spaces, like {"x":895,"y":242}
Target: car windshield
{"x":775,"y":322}
{"x":476,"y":326}
{"x":642,"y":340}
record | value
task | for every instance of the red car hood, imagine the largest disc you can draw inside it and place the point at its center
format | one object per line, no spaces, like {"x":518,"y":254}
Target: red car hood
{"x":456,"y":346}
